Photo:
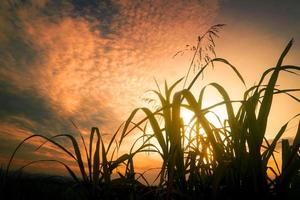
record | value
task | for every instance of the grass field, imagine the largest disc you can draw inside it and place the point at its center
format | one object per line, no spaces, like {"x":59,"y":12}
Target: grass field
{"x":198,"y":159}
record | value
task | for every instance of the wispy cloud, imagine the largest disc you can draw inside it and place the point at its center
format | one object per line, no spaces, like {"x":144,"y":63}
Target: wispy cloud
{"x":89,"y":62}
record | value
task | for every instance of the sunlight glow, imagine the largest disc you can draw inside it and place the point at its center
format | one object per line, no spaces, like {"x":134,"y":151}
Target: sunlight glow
{"x":186,"y":115}
{"x":216,"y":116}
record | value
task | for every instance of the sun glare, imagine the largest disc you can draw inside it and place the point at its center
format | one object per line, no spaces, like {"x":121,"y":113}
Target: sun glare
{"x":215,"y":117}
{"x":186,"y":115}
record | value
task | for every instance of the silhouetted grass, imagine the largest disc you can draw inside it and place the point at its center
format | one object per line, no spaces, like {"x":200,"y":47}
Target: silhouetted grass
{"x":230,"y":162}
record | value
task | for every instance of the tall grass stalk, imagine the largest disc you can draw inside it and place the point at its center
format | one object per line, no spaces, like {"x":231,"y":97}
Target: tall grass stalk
{"x":230,"y":160}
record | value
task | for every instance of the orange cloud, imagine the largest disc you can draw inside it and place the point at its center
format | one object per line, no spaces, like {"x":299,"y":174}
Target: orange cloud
{"x":99,"y":78}
{"x":82,"y":72}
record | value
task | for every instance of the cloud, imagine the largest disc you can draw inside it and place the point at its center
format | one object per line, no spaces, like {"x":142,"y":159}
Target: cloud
{"x":90,"y":62}
{"x":23,"y":103}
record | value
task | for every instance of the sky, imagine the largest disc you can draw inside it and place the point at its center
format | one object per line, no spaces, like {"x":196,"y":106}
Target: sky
{"x":92,"y":61}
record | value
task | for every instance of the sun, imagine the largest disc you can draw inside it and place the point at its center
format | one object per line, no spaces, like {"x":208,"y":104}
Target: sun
{"x":186,"y":115}
{"x":216,"y":116}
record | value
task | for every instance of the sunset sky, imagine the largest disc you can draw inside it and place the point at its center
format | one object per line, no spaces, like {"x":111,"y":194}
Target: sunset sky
{"x":92,"y":61}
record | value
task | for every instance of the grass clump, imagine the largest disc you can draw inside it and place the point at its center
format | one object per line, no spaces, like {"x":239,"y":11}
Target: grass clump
{"x":198,"y":158}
